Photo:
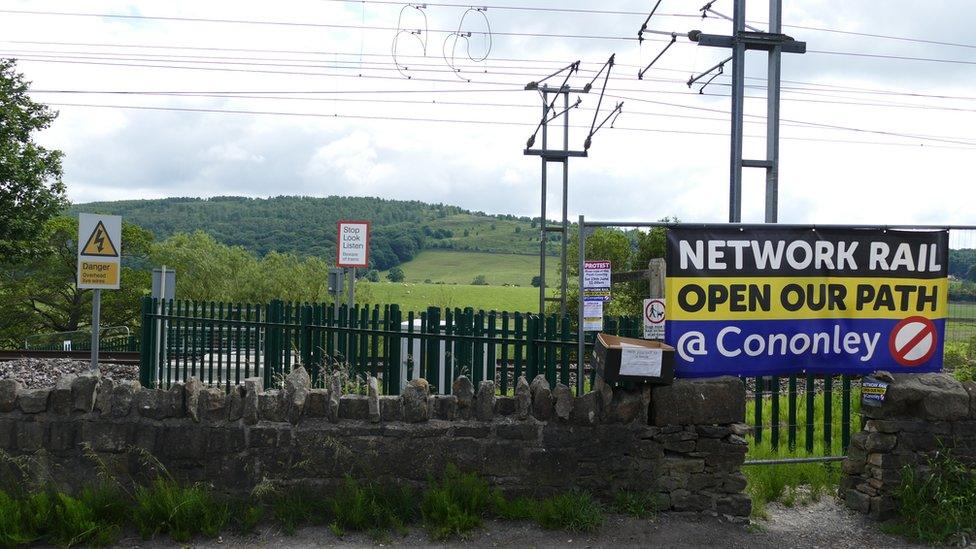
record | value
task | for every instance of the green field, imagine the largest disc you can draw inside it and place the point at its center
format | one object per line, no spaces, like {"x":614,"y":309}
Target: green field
{"x":452,"y":267}
{"x":417,"y":297}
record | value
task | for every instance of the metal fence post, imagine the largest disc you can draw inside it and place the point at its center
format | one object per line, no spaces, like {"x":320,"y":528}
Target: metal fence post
{"x":147,"y":371}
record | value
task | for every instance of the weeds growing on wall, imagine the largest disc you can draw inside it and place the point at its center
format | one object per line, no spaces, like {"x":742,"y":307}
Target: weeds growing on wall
{"x":937,"y":501}
{"x":451,"y":506}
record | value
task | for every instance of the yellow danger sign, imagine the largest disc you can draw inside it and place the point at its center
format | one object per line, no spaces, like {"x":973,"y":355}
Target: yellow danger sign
{"x":100,"y":243}
{"x":99,"y":252}
{"x":98,"y":273}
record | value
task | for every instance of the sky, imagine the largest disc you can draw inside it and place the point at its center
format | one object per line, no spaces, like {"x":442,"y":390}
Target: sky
{"x":333,"y":99}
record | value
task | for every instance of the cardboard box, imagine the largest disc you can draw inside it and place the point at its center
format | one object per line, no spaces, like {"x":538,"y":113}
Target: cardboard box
{"x":638,"y":360}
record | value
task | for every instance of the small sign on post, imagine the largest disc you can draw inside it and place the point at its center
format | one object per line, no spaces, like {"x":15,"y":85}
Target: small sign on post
{"x":352,"y":251}
{"x":99,"y":264}
{"x":654,"y":316}
{"x":99,"y":251}
{"x":596,"y":292}
{"x":352,"y":244}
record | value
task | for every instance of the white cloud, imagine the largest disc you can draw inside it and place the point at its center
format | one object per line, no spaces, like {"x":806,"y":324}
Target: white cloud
{"x":363,"y":147}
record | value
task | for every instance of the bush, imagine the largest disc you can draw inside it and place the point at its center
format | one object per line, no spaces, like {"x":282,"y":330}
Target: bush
{"x":575,"y":511}
{"x":297,"y":507}
{"x":936,"y":501}
{"x":165,"y":506}
{"x":395,"y":274}
{"x":372,"y":507}
{"x":479,"y":280}
{"x":456,"y":505}
{"x":637,"y":504}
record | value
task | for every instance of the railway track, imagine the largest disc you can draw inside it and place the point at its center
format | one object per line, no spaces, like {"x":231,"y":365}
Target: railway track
{"x":117,"y":357}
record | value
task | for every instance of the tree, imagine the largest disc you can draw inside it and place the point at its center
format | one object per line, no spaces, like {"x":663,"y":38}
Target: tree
{"x":39,"y":292}
{"x":372,"y":275}
{"x":536,"y":281}
{"x":31,"y":191}
{"x":395,"y":274}
{"x":479,"y":280}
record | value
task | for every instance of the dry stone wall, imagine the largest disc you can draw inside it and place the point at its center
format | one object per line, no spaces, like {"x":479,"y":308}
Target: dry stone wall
{"x":682,"y":442}
{"x":921,"y":415}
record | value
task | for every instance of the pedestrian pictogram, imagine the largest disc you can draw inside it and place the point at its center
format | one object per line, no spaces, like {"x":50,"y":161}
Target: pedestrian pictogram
{"x":99,"y":243}
{"x":913,"y":341}
{"x":654,"y":311}
{"x":654,"y":314}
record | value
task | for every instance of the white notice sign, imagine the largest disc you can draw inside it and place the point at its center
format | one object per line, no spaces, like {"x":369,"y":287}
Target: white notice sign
{"x":639,"y":361}
{"x":654,"y":315}
{"x":352,"y":244}
{"x":592,"y":316}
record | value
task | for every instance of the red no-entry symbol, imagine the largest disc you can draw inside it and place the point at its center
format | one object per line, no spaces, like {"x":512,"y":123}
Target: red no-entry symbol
{"x":913,"y":341}
{"x":654,"y":312}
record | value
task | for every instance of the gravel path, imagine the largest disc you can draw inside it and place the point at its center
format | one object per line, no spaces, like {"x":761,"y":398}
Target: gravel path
{"x":45,"y":372}
{"x":821,"y":524}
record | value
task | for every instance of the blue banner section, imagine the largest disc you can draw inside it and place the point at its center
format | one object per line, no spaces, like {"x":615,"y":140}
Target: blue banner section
{"x":818,"y":346}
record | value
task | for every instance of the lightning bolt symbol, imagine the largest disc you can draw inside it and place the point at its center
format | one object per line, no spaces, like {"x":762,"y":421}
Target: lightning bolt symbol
{"x":99,"y":239}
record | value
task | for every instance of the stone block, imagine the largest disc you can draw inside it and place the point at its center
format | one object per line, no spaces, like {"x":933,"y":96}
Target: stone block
{"x":685,"y":500}
{"x":463,"y":389}
{"x":184,"y":441}
{"x":192,"y":390}
{"x":270,"y":406}
{"x":738,"y":505}
{"x":858,"y":501}
{"x":879,"y":442}
{"x":909,"y":425}
{"x":354,"y":407}
{"x":235,"y":403}
{"x":517,"y":431}
{"x":472,"y":430}
{"x":317,"y":403}
{"x":373,"y":396}
{"x":484,"y":406}
{"x":33,"y":401}
{"x":82,"y":392}
{"x":445,"y":407}
{"x":30,"y":435}
{"x":626,"y":405}
{"x":60,"y":401}
{"x":8,"y":394}
{"x":714,"y":431}
{"x":504,"y":405}
{"x":543,"y":406}
{"x":105,"y":436}
{"x":212,"y":405}
{"x":8,"y":434}
{"x":523,"y":398}
{"x":62,"y":436}
{"x":154,"y":404}
{"x":253,"y":387}
{"x":335,"y":391}
{"x":121,"y":399}
{"x":391,"y":408}
{"x":930,"y":396}
{"x":103,"y":395}
{"x":415,"y":405}
{"x":586,"y":409}
{"x":719,"y":401}
{"x":563,"y":397}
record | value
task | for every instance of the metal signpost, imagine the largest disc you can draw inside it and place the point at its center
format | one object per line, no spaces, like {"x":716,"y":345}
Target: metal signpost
{"x":99,"y":264}
{"x":352,"y":251}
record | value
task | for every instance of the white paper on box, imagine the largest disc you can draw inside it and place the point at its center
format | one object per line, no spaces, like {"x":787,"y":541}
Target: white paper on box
{"x":640,"y":361}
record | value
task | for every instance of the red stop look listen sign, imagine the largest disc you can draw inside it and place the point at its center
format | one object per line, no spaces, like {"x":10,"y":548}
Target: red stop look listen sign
{"x":913,"y":341}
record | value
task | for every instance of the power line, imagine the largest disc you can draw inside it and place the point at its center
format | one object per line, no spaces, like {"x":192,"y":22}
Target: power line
{"x":434,"y":102}
{"x":466,"y":121}
{"x":304,"y":24}
{"x":479,"y":82}
{"x":851,"y":89}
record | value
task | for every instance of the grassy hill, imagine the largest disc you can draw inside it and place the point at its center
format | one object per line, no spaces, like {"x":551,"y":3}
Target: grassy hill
{"x":307,"y":225}
{"x":451,"y":267}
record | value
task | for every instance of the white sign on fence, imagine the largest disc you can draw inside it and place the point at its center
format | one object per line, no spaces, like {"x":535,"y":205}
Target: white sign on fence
{"x":596,"y":280}
{"x":654,"y":316}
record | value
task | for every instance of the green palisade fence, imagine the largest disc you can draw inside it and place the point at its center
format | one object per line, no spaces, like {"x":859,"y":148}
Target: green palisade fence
{"x":224,"y":343}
